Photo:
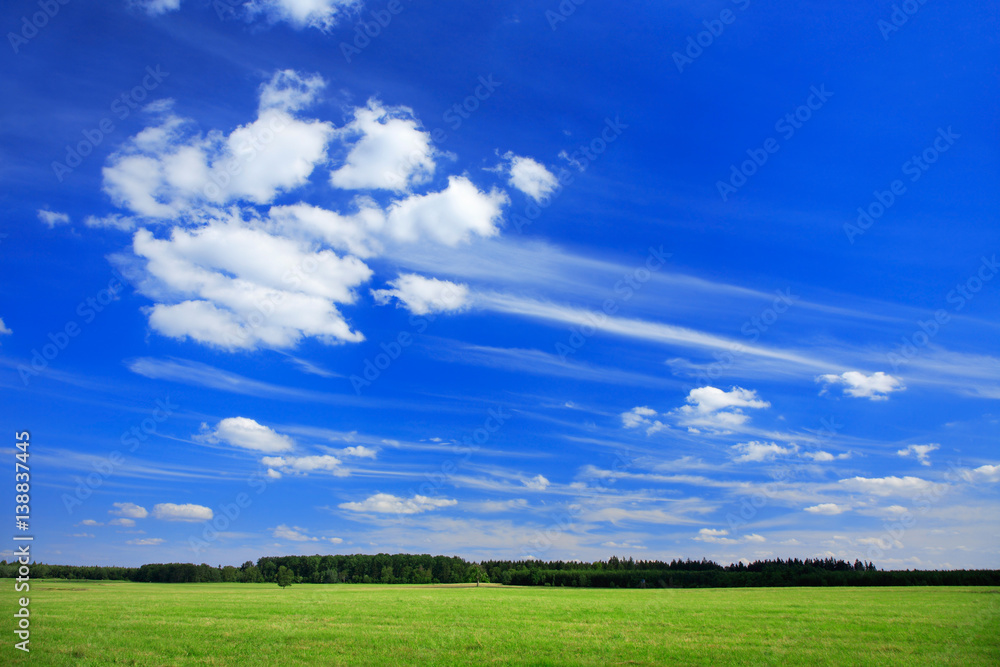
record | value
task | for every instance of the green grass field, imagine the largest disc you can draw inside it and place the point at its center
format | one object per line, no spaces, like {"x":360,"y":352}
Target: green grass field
{"x":96,"y":623}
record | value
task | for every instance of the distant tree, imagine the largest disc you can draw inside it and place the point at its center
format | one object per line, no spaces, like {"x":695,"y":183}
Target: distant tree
{"x":284,"y":577}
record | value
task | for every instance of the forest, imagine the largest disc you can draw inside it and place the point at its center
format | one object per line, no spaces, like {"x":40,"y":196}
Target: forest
{"x":613,"y":573}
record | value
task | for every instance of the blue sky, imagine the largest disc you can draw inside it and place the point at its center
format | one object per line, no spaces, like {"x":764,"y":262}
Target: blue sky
{"x":536,"y":280}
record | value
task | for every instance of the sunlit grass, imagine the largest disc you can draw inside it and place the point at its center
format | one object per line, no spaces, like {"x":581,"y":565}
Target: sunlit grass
{"x":112,"y":623}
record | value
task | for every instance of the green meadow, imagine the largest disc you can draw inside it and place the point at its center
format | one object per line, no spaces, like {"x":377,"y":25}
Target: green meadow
{"x":115,"y":623}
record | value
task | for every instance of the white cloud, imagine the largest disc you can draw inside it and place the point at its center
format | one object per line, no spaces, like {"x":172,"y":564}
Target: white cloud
{"x":877,"y":386}
{"x":715,"y":536}
{"x":384,"y":503}
{"x":352,"y":233}
{"x":247,"y":434}
{"x":223,"y":295}
{"x":642,"y":417}
{"x":130,"y":510}
{"x":450,"y":216}
{"x":51,"y":218}
{"x":422,"y":295}
{"x":888,"y":486}
{"x":530,"y":177}
{"x":536,"y":483}
{"x":320,"y":14}
{"x":392,"y":153}
{"x":827,"y":508}
{"x":146,"y":542}
{"x":621,"y":545}
{"x":127,"y":523}
{"x":168,"y":170}
{"x":920,"y":451}
{"x":90,"y":522}
{"x":157,"y":7}
{"x":4,"y":331}
{"x":756,"y":452}
{"x":715,"y":409}
{"x":187,"y":512}
{"x":84,"y":535}
{"x":360,"y":452}
{"x":984,"y":473}
{"x":123,"y":223}
{"x":301,"y":465}
{"x":290,"y":91}
{"x":293,"y":533}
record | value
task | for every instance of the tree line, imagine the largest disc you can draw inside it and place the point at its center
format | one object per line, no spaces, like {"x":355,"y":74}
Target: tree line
{"x":612,"y":573}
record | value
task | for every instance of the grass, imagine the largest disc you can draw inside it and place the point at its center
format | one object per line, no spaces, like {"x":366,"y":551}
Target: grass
{"x":112,"y":623}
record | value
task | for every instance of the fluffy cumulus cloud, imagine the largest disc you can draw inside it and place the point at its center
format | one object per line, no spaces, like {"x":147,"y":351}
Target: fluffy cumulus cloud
{"x":123,"y":522}
{"x":303,"y":465}
{"x":536,"y":483}
{"x":146,"y":542}
{"x":827,"y":508}
{"x":4,"y":331}
{"x":530,"y":177}
{"x":756,"y":452}
{"x":247,"y":434}
{"x":169,"y":169}
{"x":321,"y":14}
{"x":720,"y":536}
{"x":922,"y":452}
{"x":390,"y":152}
{"x":714,"y":535}
{"x":422,"y":296}
{"x":204,"y":213}
{"x":452,"y":216}
{"x":51,"y":218}
{"x":714,"y":409}
{"x":129,"y":510}
{"x":359,"y":451}
{"x":214,"y":288}
{"x":385,"y":503}
{"x":293,"y":533}
{"x":876,"y":387}
{"x":186,"y":512}
{"x":890,"y":486}
{"x":984,"y":473}
{"x":642,"y":417}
